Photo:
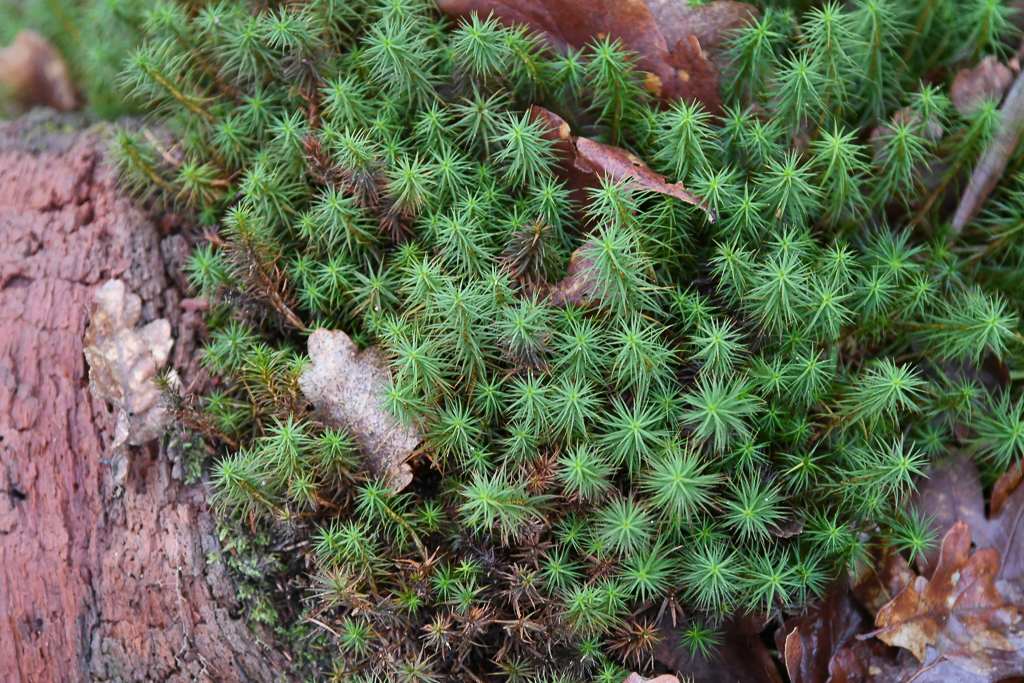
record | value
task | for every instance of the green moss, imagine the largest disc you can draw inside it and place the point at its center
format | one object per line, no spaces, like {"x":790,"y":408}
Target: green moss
{"x":794,"y":365}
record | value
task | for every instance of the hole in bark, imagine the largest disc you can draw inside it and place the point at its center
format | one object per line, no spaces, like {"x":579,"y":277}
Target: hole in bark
{"x":17,"y":282}
{"x":16,"y":494}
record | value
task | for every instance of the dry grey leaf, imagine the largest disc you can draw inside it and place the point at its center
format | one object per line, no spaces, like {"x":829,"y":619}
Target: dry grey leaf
{"x":123,"y":362}
{"x":345,"y":385}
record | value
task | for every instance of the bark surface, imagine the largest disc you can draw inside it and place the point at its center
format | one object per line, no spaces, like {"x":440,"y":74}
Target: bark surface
{"x":92,"y":586}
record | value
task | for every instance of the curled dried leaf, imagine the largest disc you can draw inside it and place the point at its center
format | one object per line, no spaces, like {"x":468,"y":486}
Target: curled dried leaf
{"x":619,"y":164}
{"x":584,"y":162}
{"x":959,"y":612}
{"x":1005,"y":485}
{"x":345,"y":386}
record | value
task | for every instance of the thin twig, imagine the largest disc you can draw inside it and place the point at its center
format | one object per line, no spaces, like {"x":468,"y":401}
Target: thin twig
{"x":160,"y":148}
{"x":323,"y":626}
{"x":940,"y":658}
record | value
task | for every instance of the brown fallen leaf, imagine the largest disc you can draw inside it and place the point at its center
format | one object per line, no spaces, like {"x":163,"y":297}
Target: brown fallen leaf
{"x":669,"y":46}
{"x":808,"y":642}
{"x":577,"y":288}
{"x":1004,"y":531}
{"x":584,"y":162}
{"x":345,"y":385}
{"x":875,"y":584}
{"x":1005,"y":485}
{"x":32,"y":73}
{"x":989,"y":79}
{"x":872,"y":661}
{"x":694,"y":69}
{"x":825,"y":644}
{"x":959,"y":612}
{"x":741,"y":656}
{"x":618,"y":164}
{"x":123,"y":362}
{"x":831,"y":643}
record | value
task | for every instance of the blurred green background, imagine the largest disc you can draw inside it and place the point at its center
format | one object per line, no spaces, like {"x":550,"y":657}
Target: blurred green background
{"x":94,"y":36}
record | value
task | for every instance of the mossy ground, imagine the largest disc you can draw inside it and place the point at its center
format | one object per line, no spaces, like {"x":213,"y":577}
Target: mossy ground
{"x":740,"y":412}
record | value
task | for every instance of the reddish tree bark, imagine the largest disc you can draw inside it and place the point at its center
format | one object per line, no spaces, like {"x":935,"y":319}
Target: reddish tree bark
{"x":92,"y":586}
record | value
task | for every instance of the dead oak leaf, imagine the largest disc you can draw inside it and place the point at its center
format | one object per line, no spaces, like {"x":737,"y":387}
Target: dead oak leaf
{"x":822,"y":644}
{"x":1004,"y":529}
{"x":123,"y":362}
{"x":829,"y":642}
{"x":708,"y":23}
{"x":959,"y":612}
{"x":345,"y":386}
{"x":872,"y":661}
